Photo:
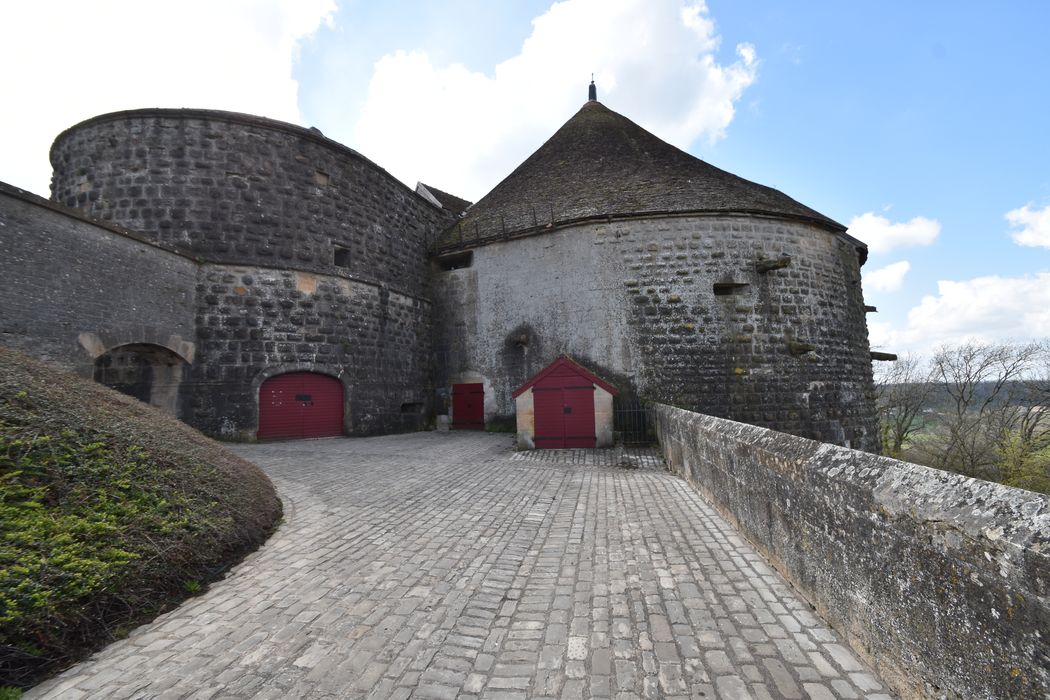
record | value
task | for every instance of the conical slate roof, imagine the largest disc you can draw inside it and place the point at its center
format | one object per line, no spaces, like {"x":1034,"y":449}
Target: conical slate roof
{"x":600,"y":164}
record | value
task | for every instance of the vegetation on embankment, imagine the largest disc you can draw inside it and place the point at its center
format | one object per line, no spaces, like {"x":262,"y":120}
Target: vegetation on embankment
{"x":110,"y":513}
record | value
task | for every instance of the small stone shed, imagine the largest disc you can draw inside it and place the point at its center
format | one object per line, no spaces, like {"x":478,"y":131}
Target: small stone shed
{"x":564,"y":405}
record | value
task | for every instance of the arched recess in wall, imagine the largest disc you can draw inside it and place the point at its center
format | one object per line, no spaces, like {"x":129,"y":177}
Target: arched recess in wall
{"x":151,"y":373}
{"x":300,"y":405}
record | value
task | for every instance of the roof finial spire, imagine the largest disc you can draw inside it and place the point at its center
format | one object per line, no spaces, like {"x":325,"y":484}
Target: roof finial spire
{"x":592,"y":92}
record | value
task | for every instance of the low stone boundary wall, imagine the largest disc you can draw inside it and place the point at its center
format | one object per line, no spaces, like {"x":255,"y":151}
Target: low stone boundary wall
{"x":942,"y":582}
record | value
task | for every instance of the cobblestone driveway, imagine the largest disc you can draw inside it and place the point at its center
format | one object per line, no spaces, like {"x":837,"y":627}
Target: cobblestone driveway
{"x":435,"y":565}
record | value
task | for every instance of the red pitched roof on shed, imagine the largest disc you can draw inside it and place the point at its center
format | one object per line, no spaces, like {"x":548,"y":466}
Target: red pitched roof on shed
{"x":567,"y":362}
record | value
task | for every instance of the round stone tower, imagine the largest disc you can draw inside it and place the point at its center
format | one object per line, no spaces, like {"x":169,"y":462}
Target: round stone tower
{"x":671,"y":278}
{"x":312,"y":258}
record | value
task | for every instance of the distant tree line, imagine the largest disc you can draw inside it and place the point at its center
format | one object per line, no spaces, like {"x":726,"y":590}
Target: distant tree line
{"x":979,"y":409}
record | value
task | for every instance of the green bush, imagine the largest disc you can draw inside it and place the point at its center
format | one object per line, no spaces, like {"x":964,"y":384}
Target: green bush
{"x":1023,"y":465}
{"x":73,"y":518}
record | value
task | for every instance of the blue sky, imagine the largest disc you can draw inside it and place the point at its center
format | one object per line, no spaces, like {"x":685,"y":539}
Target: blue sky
{"x":920,"y":125}
{"x":933,"y":109}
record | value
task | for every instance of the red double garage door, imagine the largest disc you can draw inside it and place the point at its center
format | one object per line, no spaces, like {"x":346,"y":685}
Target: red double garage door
{"x":564,"y":415}
{"x":300,"y":405}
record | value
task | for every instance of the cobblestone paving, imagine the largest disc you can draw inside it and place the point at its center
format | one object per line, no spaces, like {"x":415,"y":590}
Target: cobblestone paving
{"x":439,"y":565}
{"x":625,"y":457}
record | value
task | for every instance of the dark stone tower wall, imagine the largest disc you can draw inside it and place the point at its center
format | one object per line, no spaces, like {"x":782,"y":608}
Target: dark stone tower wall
{"x":312,"y":258}
{"x":238,"y":189}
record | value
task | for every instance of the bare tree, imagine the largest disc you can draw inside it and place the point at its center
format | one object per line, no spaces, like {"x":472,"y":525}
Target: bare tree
{"x":903,"y":390}
{"x":1034,"y":423}
{"x":982,"y":384}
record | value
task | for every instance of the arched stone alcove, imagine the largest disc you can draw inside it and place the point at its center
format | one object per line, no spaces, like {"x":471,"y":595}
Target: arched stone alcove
{"x":151,"y":373}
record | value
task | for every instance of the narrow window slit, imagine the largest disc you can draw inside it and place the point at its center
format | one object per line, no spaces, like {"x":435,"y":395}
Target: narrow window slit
{"x":457,"y":262}
{"x":724,"y":289}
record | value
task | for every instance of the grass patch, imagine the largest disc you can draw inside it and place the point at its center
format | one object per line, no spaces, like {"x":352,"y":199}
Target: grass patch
{"x":502,"y":424}
{"x":110,"y":513}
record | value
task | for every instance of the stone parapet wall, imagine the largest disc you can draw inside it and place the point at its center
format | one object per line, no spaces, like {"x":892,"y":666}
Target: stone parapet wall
{"x":941,"y":581}
{"x":73,"y":289}
{"x":237,"y":189}
{"x":254,"y":323}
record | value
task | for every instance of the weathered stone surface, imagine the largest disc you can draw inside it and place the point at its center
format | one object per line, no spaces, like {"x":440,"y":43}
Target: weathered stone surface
{"x":95,"y":298}
{"x":942,"y":581}
{"x":73,"y":290}
{"x":238,"y":189}
{"x":254,"y":323}
{"x":313,"y":258}
{"x":297,"y":253}
{"x":636,"y":302}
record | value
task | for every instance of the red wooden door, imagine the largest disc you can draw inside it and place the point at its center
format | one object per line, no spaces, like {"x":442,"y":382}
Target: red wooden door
{"x":468,"y":406}
{"x":300,"y":405}
{"x":564,"y":416}
{"x":579,"y":416}
{"x":547,"y":406}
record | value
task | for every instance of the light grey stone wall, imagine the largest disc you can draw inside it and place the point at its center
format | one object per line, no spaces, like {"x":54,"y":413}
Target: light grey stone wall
{"x":941,"y":581}
{"x":635,"y":301}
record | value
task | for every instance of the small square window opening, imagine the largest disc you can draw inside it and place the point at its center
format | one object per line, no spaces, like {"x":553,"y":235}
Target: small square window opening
{"x":342,"y":257}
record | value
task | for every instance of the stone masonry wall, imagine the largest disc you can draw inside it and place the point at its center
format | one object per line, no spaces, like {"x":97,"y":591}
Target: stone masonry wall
{"x":941,"y":581}
{"x":237,"y":189}
{"x":312,"y":257}
{"x":254,"y":323}
{"x":72,"y":289}
{"x":635,"y":301}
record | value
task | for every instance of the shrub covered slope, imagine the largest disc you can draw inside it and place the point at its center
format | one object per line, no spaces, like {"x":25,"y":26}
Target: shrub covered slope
{"x":110,"y":513}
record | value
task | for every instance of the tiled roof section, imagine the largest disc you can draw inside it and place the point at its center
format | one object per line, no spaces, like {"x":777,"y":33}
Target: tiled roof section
{"x":601,"y":164}
{"x":449,"y":202}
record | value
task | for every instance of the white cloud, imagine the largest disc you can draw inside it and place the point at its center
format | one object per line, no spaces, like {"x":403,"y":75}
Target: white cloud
{"x":992,"y":309}
{"x":69,"y":60}
{"x":883,"y":336}
{"x":887,"y":279}
{"x":882,"y":235}
{"x":463,"y":131}
{"x":1034,"y":225}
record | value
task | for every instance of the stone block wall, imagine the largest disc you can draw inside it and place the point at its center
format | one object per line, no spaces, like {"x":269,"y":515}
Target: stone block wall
{"x":74,"y":289}
{"x":942,"y":582}
{"x":786,"y":348}
{"x":238,"y":189}
{"x":254,"y":323}
{"x":676,"y":309}
{"x":312,"y":258}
